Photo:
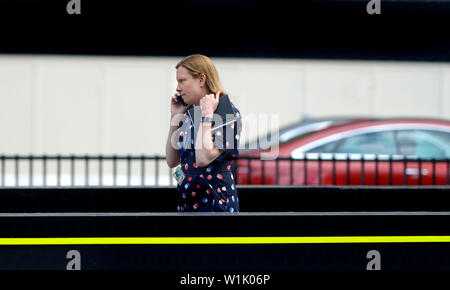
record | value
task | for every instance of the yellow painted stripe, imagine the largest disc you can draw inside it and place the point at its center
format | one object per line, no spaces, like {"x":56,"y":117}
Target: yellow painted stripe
{"x":221,"y":240}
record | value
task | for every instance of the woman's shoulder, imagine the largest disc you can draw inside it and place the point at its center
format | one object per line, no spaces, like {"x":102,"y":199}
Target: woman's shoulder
{"x":235,"y":110}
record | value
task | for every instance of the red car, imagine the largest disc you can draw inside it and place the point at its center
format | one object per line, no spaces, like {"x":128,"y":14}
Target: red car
{"x":354,"y":152}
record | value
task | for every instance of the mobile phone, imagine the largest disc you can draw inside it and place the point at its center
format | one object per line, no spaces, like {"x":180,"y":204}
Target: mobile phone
{"x":180,"y":100}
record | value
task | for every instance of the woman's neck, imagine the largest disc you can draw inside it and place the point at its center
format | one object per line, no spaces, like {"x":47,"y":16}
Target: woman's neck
{"x":205,"y":92}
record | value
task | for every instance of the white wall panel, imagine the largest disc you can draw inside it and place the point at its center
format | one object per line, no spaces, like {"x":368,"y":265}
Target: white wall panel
{"x":339,"y":89}
{"x":62,"y":104}
{"x":138,"y":98}
{"x":445,"y":98}
{"x":16,"y":106}
{"x":261,"y":89}
{"x":407,"y":90}
{"x":68,"y":107}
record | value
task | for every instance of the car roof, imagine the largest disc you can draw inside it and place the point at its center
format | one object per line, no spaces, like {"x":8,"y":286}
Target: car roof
{"x":343,"y":124}
{"x":306,"y":126}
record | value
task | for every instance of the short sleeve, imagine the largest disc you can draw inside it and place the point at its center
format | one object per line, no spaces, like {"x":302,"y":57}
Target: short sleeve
{"x":227,"y":138}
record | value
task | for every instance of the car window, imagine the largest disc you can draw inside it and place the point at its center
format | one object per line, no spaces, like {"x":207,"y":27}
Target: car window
{"x":327,"y":148}
{"x":369,"y":143}
{"x":424,"y":143}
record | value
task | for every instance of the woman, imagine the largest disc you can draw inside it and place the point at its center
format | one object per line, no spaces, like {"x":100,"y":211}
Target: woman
{"x":205,"y":157}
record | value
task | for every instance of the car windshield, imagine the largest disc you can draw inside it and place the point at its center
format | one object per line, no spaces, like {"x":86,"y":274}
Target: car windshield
{"x":370,"y":143}
{"x":424,"y":143}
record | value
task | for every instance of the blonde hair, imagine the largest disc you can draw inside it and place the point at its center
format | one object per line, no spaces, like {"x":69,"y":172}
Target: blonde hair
{"x":197,"y":65}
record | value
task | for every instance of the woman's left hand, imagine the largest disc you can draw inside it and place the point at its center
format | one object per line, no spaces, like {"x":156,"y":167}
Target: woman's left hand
{"x":209,"y":103}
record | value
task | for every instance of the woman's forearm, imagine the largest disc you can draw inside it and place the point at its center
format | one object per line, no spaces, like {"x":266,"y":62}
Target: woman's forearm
{"x":205,"y":152}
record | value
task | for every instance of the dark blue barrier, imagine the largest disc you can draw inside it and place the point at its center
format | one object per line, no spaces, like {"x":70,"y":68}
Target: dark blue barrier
{"x":252,"y":199}
{"x":334,"y":228}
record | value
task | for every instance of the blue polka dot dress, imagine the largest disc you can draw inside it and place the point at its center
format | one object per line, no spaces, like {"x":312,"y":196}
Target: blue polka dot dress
{"x":211,"y":188}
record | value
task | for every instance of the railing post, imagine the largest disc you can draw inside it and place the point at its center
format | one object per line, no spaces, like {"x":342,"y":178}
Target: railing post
{"x":248,"y":169}
{"x":143,"y":170}
{"x":128,"y":170}
{"x":86,"y":170}
{"x":3,"y":169}
{"x":31,"y":169}
{"x":114,"y":158}
{"x":348,"y":169}
{"x":448,"y":171}
{"x":263,"y":181}
{"x":362,"y":169}
{"x":44,"y":170}
{"x":434,"y":170}
{"x":157,"y":158}
{"x":72,"y":170}
{"x":405,"y":164}
{"x":305,"y":171}
{"x":58,"y":170}
{"x":170,"y":176}
{"x":390,"y":169}
{"x":376,"y":169}
{"x":16,"y":166}
{"x":320,"y":168}
{"x":277,"y":171}
{"x":291,"y":173}
{"x":420,"y":171}
{"x":100,"y":170}
{"x":334,"y":168}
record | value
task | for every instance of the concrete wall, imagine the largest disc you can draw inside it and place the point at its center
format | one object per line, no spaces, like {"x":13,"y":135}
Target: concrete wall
{"x":79,"y":104}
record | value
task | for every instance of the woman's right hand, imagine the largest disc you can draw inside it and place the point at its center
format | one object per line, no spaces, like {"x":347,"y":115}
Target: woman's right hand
{"x":175,"y":107}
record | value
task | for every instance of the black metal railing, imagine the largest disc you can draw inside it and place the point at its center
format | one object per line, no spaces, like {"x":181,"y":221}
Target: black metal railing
{"x":83,"y":170}
{"x":343,"y":169}
{"x":144,"y":170}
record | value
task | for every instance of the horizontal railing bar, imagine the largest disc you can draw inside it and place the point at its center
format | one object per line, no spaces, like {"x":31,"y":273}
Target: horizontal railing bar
{"x":81,"y":157}
{"x":379,"y":158}
{"x":313,"y":156}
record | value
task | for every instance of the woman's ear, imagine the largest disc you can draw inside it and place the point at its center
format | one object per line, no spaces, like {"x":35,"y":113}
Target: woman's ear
{"x":202,"y":80}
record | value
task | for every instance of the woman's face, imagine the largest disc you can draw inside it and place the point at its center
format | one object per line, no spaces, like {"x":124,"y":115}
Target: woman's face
{"x":190,"y":88}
